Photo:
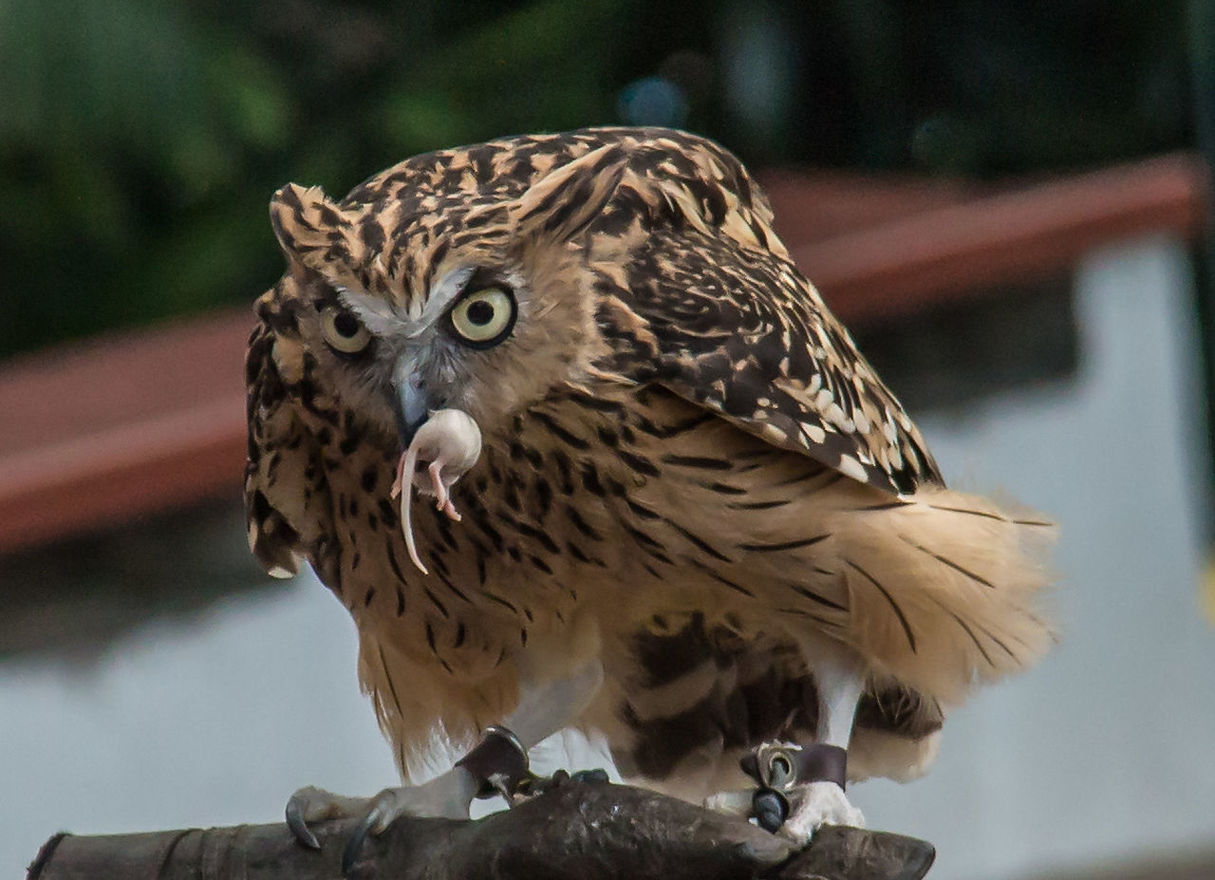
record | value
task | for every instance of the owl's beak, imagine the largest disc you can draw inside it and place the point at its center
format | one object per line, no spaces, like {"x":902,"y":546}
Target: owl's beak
{"x":411,"y":401}
{"x":411,"y":407}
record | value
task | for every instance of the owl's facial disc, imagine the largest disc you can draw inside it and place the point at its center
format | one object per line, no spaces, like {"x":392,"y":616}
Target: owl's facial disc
{"x":468,"y":310}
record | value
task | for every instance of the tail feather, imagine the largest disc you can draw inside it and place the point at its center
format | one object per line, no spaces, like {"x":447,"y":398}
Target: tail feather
{"x":944,"y":589}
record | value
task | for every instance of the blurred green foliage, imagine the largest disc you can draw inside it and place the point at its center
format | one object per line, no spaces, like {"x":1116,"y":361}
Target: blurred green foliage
{"x":141,"y":139}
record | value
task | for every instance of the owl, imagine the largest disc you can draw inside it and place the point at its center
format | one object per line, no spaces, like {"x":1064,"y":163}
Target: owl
{"x":577,"y":445}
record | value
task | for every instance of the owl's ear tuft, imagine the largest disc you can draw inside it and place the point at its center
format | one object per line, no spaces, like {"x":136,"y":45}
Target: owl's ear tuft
{"x":311,"y":229}
{"x":560,"y":205}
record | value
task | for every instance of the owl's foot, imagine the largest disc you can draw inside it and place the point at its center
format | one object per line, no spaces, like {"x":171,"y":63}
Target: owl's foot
{"x":445,"y":796}
{"x":816,"y":804}
{"x":799,"y":789}
{"x":795,"y":813}
{"x":497,"y":765}
{"x":311,"y":804}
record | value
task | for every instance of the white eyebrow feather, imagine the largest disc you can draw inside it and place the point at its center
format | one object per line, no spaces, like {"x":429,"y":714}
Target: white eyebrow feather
{"x":381,"y":318}
{"x":444,"y":293}
{"x":377,"y":315}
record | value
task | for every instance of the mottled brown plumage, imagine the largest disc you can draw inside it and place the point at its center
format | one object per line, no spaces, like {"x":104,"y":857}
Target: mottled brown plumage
{"x":689,"y":472}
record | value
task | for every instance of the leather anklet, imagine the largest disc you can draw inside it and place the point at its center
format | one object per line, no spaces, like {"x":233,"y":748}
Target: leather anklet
{"x":498,"y":763}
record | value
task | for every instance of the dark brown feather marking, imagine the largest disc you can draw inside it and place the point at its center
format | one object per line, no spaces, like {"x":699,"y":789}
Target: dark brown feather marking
{"x":666,"y":432}
{"x":725,"y":489}
{"x":434,"y":600}
{"x":596,"y":404}
{"x":396,"y":702}
{"x":890,"y":505}
{"x":815,"y":597}
{"x":949,"y":562}
{"x":810,"y":615}
{"x":430,"y":640}
{"x":641,"y":510}
{"x":638,"y":463}
{"x":960,"y":622}
{"x":757,"y":505}
{"x":581,"y":555}
{"x":590,"y":480}
{"x":493,"y":597}
{"x":723,"y":580}
{"x":701,"y":543}
{"x":832,"y":477}
{"x":893,"y":604}
{"x":784,"y":545}
{"x":581,"y":525}
{"x":983,"y":513}
{"x":693,"y":461}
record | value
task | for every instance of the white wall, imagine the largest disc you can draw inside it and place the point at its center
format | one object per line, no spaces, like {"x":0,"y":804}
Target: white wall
{"x":211,"y":724}
{"x":1107,"y":749}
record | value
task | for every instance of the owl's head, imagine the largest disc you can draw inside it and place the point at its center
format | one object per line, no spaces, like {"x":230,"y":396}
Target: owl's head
{"x":447,"y":289}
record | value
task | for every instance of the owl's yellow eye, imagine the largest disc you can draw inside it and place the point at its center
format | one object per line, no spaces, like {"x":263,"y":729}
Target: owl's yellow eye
{"x":484,"y":317}
{"x":343,"y":332}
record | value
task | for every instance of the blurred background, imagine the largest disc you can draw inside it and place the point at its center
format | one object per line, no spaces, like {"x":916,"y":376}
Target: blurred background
{"x":1008,"y":203}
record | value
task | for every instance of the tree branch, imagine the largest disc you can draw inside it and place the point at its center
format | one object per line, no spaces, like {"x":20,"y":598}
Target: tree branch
{"x":581,"y":831}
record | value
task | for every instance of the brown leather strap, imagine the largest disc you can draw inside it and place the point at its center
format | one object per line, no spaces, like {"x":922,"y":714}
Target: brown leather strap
{"x":498,"y":762}
{"x":822,"y":763}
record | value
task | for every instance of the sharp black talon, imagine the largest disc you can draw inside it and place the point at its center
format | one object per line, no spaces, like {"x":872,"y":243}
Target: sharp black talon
{"x":354,"y":846}
{"x":770,"y":809}
{"x":299,"y":828}
{"x":594,"y":777}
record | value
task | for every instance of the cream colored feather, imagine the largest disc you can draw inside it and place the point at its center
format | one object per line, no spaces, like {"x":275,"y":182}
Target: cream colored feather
{"x":941,"y":589}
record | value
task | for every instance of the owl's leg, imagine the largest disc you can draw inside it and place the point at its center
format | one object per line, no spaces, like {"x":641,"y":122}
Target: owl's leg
{"x":802,"y":787}
{"x":499,"y":762}
{"x":818,"y":796}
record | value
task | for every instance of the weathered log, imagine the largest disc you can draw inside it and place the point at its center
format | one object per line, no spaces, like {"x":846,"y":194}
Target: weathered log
{"x":580,"y":831}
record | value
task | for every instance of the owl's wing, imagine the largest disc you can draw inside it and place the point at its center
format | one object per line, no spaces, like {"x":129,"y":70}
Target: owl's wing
{"x":280,"y":455}
{"x":739,"y":330}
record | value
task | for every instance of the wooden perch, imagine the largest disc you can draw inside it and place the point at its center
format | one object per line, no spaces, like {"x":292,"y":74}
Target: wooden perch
{"x":580,"y":831}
